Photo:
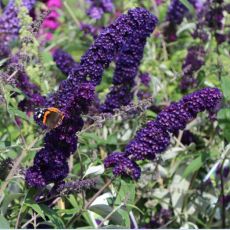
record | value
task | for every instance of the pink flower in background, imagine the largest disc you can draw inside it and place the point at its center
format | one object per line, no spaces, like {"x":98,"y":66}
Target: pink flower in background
{"x":48,"y":36}
{"x":51,"y":23}
{"x":53,"y":14}
{"x":55,"y":3}
{"x":159,"y":2}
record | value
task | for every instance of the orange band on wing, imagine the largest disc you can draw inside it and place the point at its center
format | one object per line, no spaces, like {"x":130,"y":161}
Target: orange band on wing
{"x":45,"y":117}
{"x":53,"y":109}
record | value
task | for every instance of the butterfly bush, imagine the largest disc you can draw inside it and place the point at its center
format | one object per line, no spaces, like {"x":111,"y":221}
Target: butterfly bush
{"x":89,"y":29}
{"x":4,"y":51}
{"x":175,"y":15}
{"x":97,"y":8}
{"x":64,"y":61}
{"x":15,"y":70}
{"x":9,"y":21}
{"x":159,"y":219}
{"x":145,"y":78}
{"x":144,"y":91}
{"x":76,"y":93}
{"x":192,"y":63}
{"x":211,"y":17}
{"x":154,"y":138}
{"x":121,"y":93}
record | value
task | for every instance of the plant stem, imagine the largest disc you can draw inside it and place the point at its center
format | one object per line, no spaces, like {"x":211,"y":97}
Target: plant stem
{"x":72,"y":14}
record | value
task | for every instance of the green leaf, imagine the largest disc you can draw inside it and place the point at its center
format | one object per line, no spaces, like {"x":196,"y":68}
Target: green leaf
{"x":126,"y":194}
{"x":37,"y":209}
{"x":53,"y":217}
{"x":4,"y":223}
{"x":223,"y":117}
{"x":74,"y":202}
{"x":46,"y":58}
{"x":196,"y":164}
{"x":78,"y":207}
{"x":12,"y":88}
{"x":225,"y":85}
{"x":188,"y":5}
{"x":188,"y":26}
{"x":4,"y":144}
{"x":103,"y":210}
{"x":150,"y":114}
{"x":16,"y":112}
{"x":125,"y":216}
{"x":7,"y":200}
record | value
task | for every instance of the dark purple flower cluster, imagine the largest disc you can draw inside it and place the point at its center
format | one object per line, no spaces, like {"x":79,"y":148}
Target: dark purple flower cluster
{"x":211,"y":16}
{"x":31,"y":91}
{"x":225,"y":200}
{"x":192,"y":63}
{"x":89,"y":29}
{"x":33,"y":97}
{"x":200,"y":30}
{"x":4,"y":51}
{"x":159,"y":219}
{"x":220,"y":37}
{"x":176,"y":12}
{"x":188,"y":137}
{"x":214,"y":18}
{"x":127,"y":64}
{"x":9,"y":22}
{"x":99,"y":7}
{"x":127,"y":167}
{"x":154,"y":138}
{"x":50,"y":163}
{"x":64,"y":61}
{"x":119,"y":95}
{"x":145,"y":78}
{"x":76,"y":93}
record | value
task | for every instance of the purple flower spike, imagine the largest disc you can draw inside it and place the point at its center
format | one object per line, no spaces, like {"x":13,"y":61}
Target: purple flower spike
{"x":176,"y":12}
{"x":77,"y":92}
{"x":64,"y":61}
{"x":145,"y":145}
{"x":34,"y":177}
{"x":214,"y":18}
{"x":159,"y":219}
{"x":154,"y":137}
{"x":126,"y":69}
{"x":109,"y":43}
{"x":4,"y":51}
{"x":123,"y":166}
{"x":175,"y":15}
{"x":118,"y":96}
{"x":193,"y":62}
{"x":9,"y":21}
{"x":145,"y":78}
{"x":99,"y":7}
{"x":33,"y":97}
{"x":89,"y":29}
